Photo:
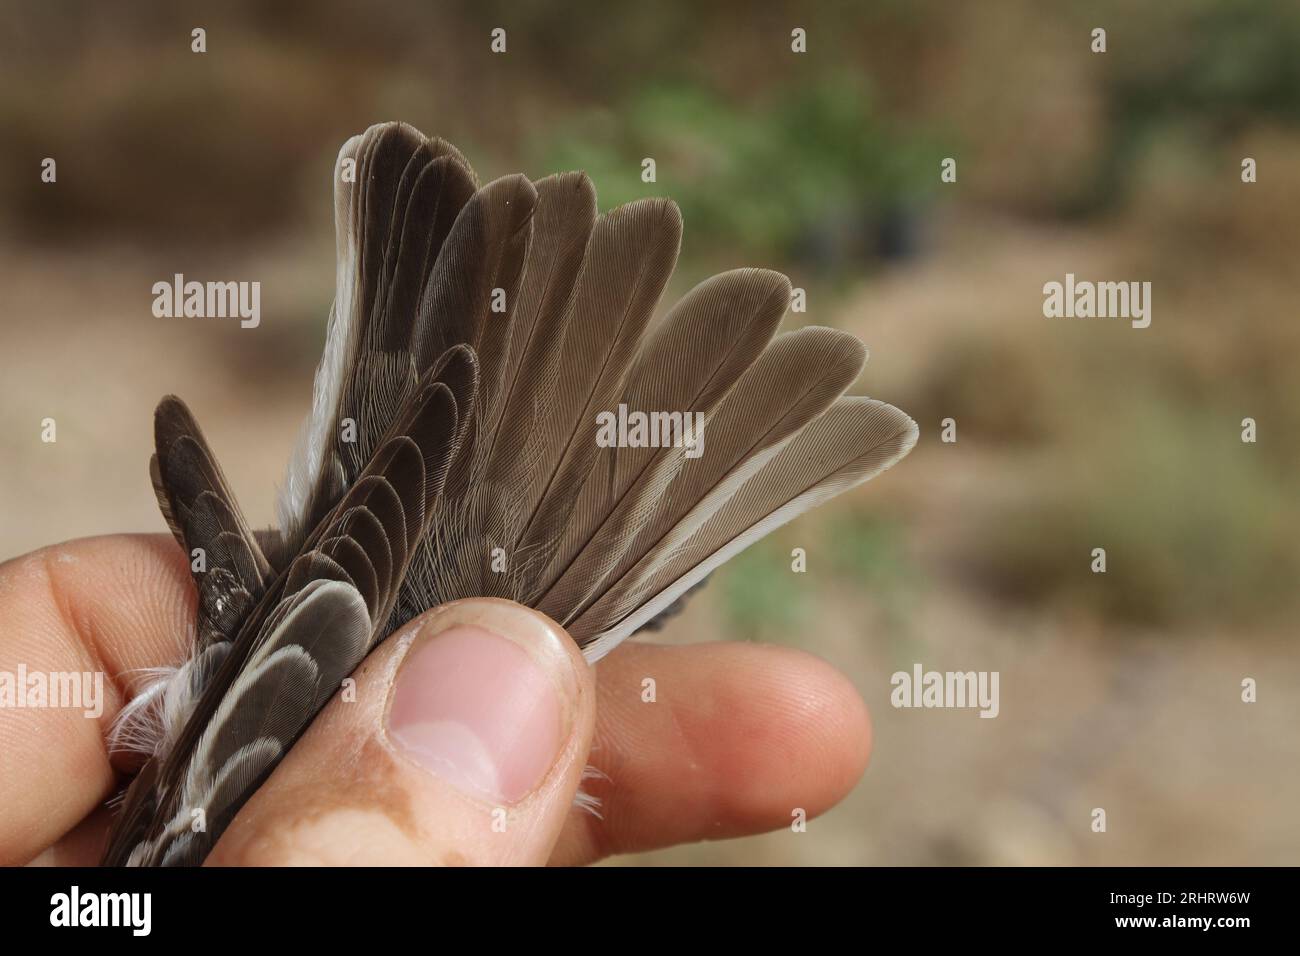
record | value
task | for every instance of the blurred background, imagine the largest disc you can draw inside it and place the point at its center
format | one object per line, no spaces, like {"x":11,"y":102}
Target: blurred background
{"x":1120,"y":690}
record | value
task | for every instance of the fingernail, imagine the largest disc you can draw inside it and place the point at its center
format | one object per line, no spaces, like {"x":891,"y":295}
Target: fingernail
{"x":479,"y":710}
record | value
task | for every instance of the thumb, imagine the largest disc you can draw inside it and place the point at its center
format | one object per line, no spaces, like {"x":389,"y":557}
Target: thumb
{"x":462,"y":742}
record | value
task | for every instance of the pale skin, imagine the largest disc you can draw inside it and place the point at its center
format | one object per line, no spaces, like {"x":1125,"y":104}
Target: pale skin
{"x":739,"y":736}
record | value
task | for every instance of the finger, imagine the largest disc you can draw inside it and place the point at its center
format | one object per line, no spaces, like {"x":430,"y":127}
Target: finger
{"x":83,"y":845}
{"x":464,"y":743}
{"x":737,"y":738}
{"x":98,"y":606}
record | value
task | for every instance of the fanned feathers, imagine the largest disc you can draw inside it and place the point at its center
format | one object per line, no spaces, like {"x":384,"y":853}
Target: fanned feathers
{"x":451,"y":451}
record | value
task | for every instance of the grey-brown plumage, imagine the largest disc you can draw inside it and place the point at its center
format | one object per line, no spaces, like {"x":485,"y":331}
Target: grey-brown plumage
{"x":451,"y":451}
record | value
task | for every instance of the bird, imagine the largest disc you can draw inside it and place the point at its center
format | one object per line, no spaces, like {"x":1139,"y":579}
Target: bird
{"x":478,"y":335}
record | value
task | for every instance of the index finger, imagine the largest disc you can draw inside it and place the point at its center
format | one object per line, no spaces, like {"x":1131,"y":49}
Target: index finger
{"x":105,"y":606}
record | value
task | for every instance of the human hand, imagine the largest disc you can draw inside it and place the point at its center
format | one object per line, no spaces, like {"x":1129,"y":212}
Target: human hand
{"x":463,"y":741}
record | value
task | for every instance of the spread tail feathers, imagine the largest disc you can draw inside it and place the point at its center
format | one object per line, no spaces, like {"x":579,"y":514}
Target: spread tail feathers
{"x":484,"y":342}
